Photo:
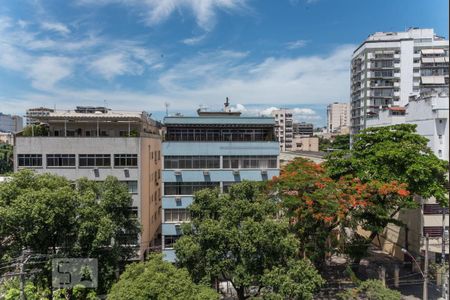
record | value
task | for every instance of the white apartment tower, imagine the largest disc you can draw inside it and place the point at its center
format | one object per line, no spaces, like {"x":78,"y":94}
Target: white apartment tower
{"x":388,"y":66}
{"x":338,"y":117}
{"x":284,"y":129}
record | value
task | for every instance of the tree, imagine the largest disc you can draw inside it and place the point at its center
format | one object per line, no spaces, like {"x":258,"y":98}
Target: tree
{"x":393,"y":153}
{"x":340,"y":142}
{"x":158,"y":279}
{"x":320,"y":207}
{"x":370,"y":290}
{"x":6,"y":158}
{"x":236,"y":237}
{"x":50,"y":215}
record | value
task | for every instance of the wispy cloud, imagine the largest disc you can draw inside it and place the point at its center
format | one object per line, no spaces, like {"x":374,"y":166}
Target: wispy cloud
{"x":56,"y":27}
{"x":194,"y":40}
{"x":48,"y":70}
{"x":297,"y":44}
{"x":158,"y":11}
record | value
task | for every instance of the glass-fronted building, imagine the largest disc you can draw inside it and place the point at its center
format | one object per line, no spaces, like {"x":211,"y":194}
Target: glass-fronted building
{"x":212,"y":150}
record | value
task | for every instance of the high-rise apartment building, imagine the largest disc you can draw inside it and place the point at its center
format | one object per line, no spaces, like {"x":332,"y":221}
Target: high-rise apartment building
{"x":338,"y":117}
{"x":212,"y":150}
{"x":284,"y":130}
{"x":96,"y":143}
{"x":10,"y":123}
{"x":388,"y":66}
{"x":303,"y":129}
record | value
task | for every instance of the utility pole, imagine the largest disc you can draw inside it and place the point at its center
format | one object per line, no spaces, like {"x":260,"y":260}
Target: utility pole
{"x":425,"y":271}
{"x":23,"y":260}
{"x":443,"y":277}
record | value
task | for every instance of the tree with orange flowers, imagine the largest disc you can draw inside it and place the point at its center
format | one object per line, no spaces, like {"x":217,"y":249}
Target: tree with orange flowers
{"x":320,"y":207}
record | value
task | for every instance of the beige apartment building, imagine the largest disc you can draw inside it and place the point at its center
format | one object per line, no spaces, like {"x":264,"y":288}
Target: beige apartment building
{"x":95,"y":142}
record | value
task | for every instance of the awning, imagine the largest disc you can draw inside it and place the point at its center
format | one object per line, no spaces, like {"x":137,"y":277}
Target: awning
{"x":431,"y":60}
{"x":433,"y":51}
{"x":433,"y":79}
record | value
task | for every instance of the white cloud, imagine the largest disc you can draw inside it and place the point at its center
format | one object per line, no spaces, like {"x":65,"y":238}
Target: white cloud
{"x":299,"y":114}
{"x":56,"y":27}
{"x":48,"y":70}
{"x":194,"y":40}
{"x":157,"y":11}
{"x":127,"y":59}
{"x":115,"y":64}
{"x":297,"y":44}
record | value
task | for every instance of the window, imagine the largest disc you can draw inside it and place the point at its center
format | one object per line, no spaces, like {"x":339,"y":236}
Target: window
{"x":187,"y":188}
{"x":29,"y":160}
{"x":133,"y":211}
{"x":192,"y":162}
{"x":125,"y":160}
{"x":60,"y":160}
{"x":169,"y":240}
{"x":132,"y":186}
{"x":94,"y":160}
{"x":176,"y":215}
{"x":249,"y":162}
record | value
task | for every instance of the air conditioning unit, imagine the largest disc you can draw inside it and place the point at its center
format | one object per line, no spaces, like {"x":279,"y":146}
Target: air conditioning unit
{"x":205,"y":172}
{"x":178,"y":198}
{"x":177,"y":172}
{"x":264,"y":172}
{"x":235,"y":172}
{"x":96,"y":172}
{"x":126,"y":173}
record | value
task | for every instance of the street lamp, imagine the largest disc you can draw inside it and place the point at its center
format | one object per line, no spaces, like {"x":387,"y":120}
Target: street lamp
{"x":425,"y":272}
{"x":415,"y":261}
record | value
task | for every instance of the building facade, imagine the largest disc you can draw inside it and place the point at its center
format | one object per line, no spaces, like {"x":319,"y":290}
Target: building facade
{"x":338,"y":118}
{"x":100,"y":143}
{"x":212,"y":150}
{"x":303,"y":129}
{"x":33,"y":114}
{"x":430,"y":113}
{"x":284,"y":130}
{"x":10,"y":123}
{"x":388,"y":66}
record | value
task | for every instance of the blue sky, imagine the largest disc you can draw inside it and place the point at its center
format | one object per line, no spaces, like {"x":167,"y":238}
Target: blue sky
{"x":140,"y":54}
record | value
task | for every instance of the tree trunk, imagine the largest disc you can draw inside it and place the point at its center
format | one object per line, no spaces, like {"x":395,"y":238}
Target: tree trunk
{"x":241,"y":293}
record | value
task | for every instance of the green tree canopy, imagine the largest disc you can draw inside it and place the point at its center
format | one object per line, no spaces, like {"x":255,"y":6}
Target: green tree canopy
{"x":236,"y":237}
{"x":6,"y":158}
{"x":370,"y":290}
{"x":50,"y":215}
{"x":159,"y":280}
{"x":393,"y":153}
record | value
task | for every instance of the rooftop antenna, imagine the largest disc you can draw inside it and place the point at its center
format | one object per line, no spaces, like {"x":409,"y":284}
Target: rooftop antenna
{"x":226,"y":105}
{"x":167,"y":104}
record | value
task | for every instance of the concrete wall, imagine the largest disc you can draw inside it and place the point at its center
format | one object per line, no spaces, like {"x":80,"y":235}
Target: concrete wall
{"x":150,"y":189}
{"x":306,"y":144}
